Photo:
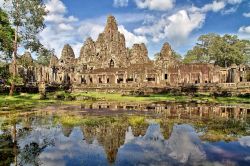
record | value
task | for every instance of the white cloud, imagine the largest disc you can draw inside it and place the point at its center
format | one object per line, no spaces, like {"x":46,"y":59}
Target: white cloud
{"x":215,"y":6}
{"x":230,"y":10}
{"x":59,"y":28}
{"x":130,"y":17}
{"x":55,"y":7}
{"x":5,"y":5}
{"x":120,"y":3}
{"x":219,"y":5}
{"x":182,"y":24}
{"x":59,"y":18}
{"x":132,"y":38}
{"x":91,"y":29}
{"x":57,"y":11}
{"x":155,"y":4}
{"x":55,"y":36}
{"x":176,"y":27}
{"x":1,"y":3}
{"x":65,"y":27}
{"x":245,"y":30}
{"x":245,"y":141}
{"x":246,"y":14}
{"x":233,"y":2}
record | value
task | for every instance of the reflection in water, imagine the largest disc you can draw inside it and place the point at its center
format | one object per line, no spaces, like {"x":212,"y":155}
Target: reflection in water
{"x":111,"y":137}
{"x":183,"y":147}
{"x":73,"y":150}
{"x":42,"y":139}
{"x":174,"y":110}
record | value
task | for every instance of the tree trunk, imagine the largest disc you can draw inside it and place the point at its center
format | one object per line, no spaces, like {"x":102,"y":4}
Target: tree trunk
{"x":12,"y":88}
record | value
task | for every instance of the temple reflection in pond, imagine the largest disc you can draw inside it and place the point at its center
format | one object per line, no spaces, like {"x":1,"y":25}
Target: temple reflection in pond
{"x":162,"y":138}
{"x":169,"y":109}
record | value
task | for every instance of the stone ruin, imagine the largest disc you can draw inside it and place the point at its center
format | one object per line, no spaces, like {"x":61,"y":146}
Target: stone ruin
{"x":108,"y":64}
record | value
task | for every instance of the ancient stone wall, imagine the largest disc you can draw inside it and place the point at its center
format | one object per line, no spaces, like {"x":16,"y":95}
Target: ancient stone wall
{"x":108,"y":63}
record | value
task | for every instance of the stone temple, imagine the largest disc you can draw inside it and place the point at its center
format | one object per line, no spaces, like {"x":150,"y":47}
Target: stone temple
{"x":108,"y":64}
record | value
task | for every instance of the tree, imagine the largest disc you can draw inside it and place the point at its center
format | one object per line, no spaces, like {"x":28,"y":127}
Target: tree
{"x":191,"y":56}
{"x":248,"y":76}
{"x":220,"y":50}
{"x":6,"y":36}
{"x":177,"y":56}
{"x":44,"y":56}
{"x":28,"y":20}
{"x":247,"y":52}
{"x":4,"y":71}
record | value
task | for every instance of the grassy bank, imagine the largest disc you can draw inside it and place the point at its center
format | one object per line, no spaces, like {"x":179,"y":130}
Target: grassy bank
{"x":23,"y":101}
{"x":29,"y":101}
{"x":203,"y":98}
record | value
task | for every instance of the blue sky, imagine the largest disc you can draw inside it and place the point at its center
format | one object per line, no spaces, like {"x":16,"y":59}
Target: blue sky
{"x":153,"y":22}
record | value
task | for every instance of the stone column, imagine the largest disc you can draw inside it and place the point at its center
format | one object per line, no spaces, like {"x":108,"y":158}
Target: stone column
{"x":42,"y":90}
{"x":124,"y":78}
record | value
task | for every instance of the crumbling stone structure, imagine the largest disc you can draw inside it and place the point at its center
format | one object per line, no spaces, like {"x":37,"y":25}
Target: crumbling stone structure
{"x":108,"y":63}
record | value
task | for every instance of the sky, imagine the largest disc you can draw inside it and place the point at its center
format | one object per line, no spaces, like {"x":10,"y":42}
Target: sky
{"x":153,"y":22}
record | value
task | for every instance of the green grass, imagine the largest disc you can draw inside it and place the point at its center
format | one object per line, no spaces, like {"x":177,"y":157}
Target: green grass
{"x":163,"y":97}
{"x":136,"y":120}
{"x":120,"y":98}
{"x":233,"y":100}
{"x":111,"y":97}
{"x":29,"y":101}
{"x":23,"y":101}
{"x":75,"y":120}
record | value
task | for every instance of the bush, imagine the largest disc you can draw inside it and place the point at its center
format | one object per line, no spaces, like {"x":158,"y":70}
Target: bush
{"x":59,"y":96}
{"x":138,"y":93}
{"x":70,"y":98}
{"x":223,"y":94}
{"x":189,"y":89}
{"x":246,"y":95}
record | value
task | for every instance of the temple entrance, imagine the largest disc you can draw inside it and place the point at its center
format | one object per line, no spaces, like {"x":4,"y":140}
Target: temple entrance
{"x":83,"y":80}
{"x":111,"y":64}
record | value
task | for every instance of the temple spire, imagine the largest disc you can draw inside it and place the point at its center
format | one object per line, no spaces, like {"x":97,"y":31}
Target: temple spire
{"x":111,"y":25}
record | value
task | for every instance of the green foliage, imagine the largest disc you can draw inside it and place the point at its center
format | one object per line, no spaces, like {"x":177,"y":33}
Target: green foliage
{"x":248,"y":76}
{"x":193,"y":56}
{"x":28,"y":20}
{"x":223,"y":129}
{"x":177,"y":56}
{"x":4,"y":71}
{"x":6,"y":36}
{"x":221,"y":50}
{"x":136,"y":120}
{"x":44,"y":56}
{"x":87,"y":121}
{"x":17,"y":79}
{"x":26,"y":60}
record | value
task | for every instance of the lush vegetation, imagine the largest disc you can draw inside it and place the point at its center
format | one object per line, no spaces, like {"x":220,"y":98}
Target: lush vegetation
{"x":6,"y":36}
{"x":4,"y":71}
{"x":27,"y":20}
{"x":221,"y":50}
{"x":24,"y":101}
{"x":221,"y":129}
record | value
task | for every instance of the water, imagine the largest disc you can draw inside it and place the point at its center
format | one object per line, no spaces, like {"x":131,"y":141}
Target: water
{"x":127,"y":134}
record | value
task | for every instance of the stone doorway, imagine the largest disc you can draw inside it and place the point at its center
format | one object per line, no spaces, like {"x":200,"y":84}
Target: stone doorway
{"x":111,"y":64}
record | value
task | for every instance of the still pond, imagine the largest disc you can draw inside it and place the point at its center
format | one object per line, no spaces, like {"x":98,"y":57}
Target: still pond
{"x":125,"y":134}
